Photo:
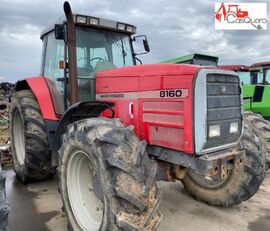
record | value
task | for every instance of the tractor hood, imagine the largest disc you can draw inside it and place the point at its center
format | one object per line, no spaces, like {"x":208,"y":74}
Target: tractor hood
{"x":151,"y":70}
{"x":177,"y":101}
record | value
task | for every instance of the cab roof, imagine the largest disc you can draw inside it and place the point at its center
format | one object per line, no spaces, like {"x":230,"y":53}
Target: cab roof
{"x":94,"y":22}
{"x":234,"y":67}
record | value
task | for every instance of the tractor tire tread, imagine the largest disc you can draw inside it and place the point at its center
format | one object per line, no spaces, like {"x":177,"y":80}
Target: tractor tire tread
{"x":130,"y":186}
{"x":37,"y":156}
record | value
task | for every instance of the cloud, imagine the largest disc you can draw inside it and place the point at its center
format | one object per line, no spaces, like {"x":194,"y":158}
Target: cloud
{"x":174,"y":28}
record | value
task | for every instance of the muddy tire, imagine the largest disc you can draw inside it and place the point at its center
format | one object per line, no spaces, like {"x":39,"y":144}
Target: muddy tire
{"x":238,"y":186}
{"x":29,"y":142}
{"x":261,"y":128}
{"x":4,"y":207}
{"x":107,"y":181}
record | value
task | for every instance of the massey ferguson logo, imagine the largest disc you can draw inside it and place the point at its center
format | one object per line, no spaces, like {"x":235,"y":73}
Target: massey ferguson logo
{"x":241,"y":16}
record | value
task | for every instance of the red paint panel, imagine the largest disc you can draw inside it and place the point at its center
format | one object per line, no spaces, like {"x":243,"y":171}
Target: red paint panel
{"x":162,"y":121}
{"x":117,"y":84}
{"x":167,"y":137}
{"x":163,"y":106}
{"x":163,"y":118}
{"x":151,"y":69}
{"x":40,"y":89}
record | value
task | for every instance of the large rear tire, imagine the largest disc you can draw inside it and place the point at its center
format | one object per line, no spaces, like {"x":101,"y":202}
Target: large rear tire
{"x":238,"y":186}
{"x":261,"y":128}
{"x":107,"y":180}
{"x":29,"y":142}
{"x":4,"y":207}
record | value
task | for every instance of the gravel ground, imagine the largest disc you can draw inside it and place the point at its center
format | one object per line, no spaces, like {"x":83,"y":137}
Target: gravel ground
{"x":38,"y":207}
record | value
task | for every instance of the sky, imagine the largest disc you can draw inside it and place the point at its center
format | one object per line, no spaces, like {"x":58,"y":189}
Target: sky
{"x":173,"y":27}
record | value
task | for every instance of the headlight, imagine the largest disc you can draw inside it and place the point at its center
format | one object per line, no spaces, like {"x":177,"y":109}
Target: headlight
{"x":214,"y":130}
{"x":234,"y":127}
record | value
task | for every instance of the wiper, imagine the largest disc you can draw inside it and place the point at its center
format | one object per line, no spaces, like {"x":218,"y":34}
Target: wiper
{"x":113,"y":39}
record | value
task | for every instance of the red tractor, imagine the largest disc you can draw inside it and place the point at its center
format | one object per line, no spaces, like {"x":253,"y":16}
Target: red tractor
{"x":112,"y":128}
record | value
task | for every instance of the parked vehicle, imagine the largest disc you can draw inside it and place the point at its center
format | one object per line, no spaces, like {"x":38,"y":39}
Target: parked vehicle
{"x":113,"y":128}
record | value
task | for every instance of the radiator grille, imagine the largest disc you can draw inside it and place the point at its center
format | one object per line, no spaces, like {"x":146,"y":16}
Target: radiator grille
{"x":223,"y":107}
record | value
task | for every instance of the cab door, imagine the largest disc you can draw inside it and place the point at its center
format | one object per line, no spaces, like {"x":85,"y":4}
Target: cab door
{"x":53,"y":53}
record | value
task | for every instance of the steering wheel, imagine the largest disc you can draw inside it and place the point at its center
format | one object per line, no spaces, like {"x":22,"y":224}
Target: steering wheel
{"x":98,"y":58}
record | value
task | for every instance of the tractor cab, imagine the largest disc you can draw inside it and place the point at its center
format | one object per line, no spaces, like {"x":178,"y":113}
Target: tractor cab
{"x":256,"y":89}
{"x":242,"y":71}
{"x":100,"y":45}
{"x":260,"y":73}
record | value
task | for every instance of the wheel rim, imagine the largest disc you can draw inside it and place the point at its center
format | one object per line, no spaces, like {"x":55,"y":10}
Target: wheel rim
{"x":18,"y":134}
{"x":85,"y":205}
{"x":210,"y":182}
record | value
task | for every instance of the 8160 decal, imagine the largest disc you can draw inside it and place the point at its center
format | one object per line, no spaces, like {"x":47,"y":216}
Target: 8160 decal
{"x":171,"y":93}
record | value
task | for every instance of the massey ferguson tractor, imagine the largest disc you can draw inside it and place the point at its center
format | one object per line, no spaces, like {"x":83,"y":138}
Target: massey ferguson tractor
{"x":111,"y":128}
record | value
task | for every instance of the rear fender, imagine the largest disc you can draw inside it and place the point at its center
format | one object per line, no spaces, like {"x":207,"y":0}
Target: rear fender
{"x":41,"y":91}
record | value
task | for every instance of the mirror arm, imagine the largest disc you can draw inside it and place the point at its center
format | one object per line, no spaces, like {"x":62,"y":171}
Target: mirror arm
{"x":138,"y":60}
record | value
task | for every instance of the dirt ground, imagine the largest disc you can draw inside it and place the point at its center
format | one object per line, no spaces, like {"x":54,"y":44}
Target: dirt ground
{"x":38,"y":207}
{"x":3,"y":136}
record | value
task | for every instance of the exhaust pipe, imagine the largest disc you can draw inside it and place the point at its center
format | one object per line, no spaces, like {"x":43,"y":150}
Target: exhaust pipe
{"x":72,"y":56}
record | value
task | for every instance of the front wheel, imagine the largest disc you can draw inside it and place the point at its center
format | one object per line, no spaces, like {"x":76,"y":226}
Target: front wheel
{"x":238,"y":186}
{"x":107,"y":179}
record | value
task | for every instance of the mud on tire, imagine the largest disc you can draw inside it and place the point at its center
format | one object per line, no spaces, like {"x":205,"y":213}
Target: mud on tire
{"x":29,"y":142}
{"x":261,"y":128}
{"x":126,"y":175}
{"x":238,"y":186}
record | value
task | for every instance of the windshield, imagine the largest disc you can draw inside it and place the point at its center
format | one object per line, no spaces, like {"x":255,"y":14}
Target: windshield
{"x":97,"y":50}
{"x":101,"y":50}
{"x":244,"y":77}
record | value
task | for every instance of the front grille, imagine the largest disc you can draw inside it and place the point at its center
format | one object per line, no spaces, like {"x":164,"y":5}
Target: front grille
{"x":223,"y":107}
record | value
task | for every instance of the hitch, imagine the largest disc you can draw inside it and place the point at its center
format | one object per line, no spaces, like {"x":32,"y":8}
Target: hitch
{"x":222,"y":162}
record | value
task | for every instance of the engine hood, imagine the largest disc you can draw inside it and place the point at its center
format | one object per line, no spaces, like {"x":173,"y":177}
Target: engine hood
{"x":151,"y":70}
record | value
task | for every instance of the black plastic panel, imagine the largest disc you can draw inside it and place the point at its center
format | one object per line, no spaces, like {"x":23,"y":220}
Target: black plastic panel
{"x":258,"y":94}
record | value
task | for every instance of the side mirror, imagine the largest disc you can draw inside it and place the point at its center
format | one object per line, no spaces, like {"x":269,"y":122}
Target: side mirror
{"x":146,"y":45}
{"x":60,"y":32}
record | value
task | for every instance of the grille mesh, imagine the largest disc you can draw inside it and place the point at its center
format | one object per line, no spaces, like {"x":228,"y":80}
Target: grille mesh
{"x":223,"y":107}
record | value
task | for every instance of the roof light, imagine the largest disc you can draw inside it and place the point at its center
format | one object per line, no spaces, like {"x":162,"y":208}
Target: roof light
{"x":81,"y":19}
{"x":94,"y":21}
{"x":121,"y":26}
{"x":134,"y":30}
{"x":129,"y":29}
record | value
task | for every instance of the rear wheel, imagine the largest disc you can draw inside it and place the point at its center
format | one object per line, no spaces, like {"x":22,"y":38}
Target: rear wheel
{"x":29,"y":142}
{"x":238,"y":186}
{"x":261,"y":128}
{"x":107,"y":180}
{"x":4,"y":207}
